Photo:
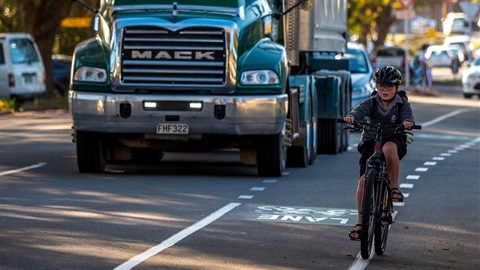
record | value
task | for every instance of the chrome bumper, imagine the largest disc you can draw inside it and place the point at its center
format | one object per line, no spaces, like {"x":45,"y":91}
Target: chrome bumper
{"x":244,"y":115}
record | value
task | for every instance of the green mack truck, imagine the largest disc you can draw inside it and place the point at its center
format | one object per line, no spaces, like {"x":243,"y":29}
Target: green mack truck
{"x":265,"y":77}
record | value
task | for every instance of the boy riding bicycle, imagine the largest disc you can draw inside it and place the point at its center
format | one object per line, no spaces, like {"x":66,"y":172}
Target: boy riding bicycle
{"x":385,"y":107}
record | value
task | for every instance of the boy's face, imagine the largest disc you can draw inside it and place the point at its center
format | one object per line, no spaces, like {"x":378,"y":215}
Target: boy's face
{"x":387,"y":91}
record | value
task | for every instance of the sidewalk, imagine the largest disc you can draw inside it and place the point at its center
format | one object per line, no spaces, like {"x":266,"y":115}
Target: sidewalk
{"x":438,"y":90}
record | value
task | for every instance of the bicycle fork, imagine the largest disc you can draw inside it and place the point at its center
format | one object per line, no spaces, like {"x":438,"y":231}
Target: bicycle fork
{"x":384,"y":211}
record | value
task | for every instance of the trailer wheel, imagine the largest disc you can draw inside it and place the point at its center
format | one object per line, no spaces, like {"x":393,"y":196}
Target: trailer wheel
{"x":271,"y":155}
{"x":329,"y":136}
{"x":91,"y":156}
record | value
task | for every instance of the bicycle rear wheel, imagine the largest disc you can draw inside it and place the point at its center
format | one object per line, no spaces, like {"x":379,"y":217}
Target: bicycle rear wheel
{"x":382,"y":225}
{"x":368,"y":218}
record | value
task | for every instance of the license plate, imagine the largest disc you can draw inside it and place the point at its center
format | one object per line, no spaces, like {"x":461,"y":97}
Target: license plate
{"x":172,"y":129}
{"x":28,"y":79}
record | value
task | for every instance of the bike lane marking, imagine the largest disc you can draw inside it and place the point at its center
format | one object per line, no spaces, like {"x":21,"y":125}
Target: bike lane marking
{"x":176,"y":237}
{"x":38,"y":165}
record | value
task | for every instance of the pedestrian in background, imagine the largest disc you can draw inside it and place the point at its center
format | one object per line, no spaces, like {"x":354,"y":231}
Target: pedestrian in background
{"x":425,"y":69}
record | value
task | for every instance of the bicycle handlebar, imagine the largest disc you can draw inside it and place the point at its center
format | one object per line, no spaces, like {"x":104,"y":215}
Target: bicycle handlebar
{"x":359,"y":124}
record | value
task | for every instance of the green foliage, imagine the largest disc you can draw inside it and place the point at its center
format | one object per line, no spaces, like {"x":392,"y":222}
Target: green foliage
{"x":7,"y":104}
{"x":9,"y":17}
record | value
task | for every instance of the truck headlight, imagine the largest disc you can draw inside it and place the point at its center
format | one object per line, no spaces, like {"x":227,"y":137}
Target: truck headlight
{"x":90,"y":74}
{"x":259,"y":77}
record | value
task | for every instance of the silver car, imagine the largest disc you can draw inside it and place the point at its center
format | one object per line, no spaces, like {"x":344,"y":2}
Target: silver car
{"x":362,"y":72}
{"x":471,"y":79}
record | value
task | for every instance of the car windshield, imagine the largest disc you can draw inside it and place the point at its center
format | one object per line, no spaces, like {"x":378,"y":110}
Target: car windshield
{"x":358,"y":62}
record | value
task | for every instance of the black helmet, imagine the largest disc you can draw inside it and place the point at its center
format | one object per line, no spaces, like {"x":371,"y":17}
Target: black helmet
{"x":388,"y":75}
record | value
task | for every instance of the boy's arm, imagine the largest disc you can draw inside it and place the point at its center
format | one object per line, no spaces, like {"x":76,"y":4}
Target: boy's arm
{"x":406,"y":114}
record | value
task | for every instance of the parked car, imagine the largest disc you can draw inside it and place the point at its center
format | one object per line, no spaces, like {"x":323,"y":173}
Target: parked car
{"x":463,"y":42}
{"x":455,"y":23}
{"x":390,"y":56}
{"x":443,"y":56}
{"x":62,"y":65}
{"x":22,"y":74}
{"x":362,"y":72}
{"x":471,"y":79}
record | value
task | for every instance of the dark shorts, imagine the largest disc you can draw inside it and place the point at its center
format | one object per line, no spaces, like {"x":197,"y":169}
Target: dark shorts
{"x":366,"y":150}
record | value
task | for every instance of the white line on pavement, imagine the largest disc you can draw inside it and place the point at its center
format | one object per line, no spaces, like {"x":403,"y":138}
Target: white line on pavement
{"x":176,"y":238}
{"x":38,"y":165}
{"x":448,"y":115}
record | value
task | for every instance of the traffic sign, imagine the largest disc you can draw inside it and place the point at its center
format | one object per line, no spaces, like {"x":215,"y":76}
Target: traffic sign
{"x":431,"y":33}
{"x":77,"y":22}
{"x":405,"y":14}
{"x":470,"y":9}
{"x":406,"y":3}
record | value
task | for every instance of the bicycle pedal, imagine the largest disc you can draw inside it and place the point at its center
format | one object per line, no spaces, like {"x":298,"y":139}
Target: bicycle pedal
{"x":390,"y":219}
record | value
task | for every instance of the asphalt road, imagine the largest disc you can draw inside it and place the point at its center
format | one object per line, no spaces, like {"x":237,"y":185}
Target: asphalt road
{"x":208,"y":211}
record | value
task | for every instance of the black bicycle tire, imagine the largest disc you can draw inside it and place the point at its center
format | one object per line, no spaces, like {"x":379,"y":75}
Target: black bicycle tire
{"x":368,"y":217}
{"x":381,"y":225}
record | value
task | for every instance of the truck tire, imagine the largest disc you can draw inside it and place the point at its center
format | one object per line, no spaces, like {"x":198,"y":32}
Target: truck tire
{"x":271,"y":155}
{"x":329,"y":136}
{"x":91,"y":156}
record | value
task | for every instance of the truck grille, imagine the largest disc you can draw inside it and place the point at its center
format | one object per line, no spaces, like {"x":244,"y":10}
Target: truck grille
{"x":188,"y":57}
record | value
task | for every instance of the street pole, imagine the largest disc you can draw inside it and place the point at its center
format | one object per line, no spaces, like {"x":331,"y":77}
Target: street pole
{"x":407,"y":58}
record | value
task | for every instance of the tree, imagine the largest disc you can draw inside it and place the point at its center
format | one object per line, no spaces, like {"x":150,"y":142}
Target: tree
{"x":371,"y":19}
{"x":42,"y":18}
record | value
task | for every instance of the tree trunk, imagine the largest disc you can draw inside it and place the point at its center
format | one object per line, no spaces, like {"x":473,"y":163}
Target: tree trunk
{"x":384,"y":21}
{"x":42,"y":18}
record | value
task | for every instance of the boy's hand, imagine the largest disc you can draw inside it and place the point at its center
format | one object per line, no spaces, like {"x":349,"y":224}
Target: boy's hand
{"x":349,"y":119}
{"x":408,"y":125}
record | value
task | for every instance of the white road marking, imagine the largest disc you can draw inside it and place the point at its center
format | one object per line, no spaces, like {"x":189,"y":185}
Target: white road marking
{"x":438,"y":158}
{"x":257,"y":189}
{"x":38,"y":165}
{"x":269,"y":181}
{"x":398,"y":204}
{"x":413,"y":177}
{"x":420,"y":169}
{"x":453,"y":151}
{"x":446,"y":154}
{"x":177,"y":237}
{"x":406,"y":185}
{"x":245,"y":197}
{"x":430,"y":163}
{"x":406,"y":195}
{"x":448,"y":115}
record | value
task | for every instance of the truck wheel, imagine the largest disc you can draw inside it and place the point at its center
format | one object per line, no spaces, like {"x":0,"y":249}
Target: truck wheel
{"x":271,"y":155}
{"x":91,"y":157}
{"x":329,"y":136}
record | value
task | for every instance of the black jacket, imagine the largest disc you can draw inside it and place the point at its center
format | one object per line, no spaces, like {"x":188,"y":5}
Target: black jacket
{"x":398,"y":111}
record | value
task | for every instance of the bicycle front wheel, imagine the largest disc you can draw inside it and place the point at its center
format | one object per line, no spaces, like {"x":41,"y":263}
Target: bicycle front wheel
{"x":382,"y":225}
{"x":368,"y":215}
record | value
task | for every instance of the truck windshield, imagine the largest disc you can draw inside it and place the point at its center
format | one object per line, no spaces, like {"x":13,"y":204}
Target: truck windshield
{"x":23,"y":51}
{"x":217,"y":3}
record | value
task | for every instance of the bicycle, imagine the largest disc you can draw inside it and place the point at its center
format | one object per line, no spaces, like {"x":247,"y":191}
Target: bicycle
{"x":377,"y":204}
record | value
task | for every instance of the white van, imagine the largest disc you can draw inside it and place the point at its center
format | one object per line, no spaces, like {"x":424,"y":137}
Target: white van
{"x":22,"y":73}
